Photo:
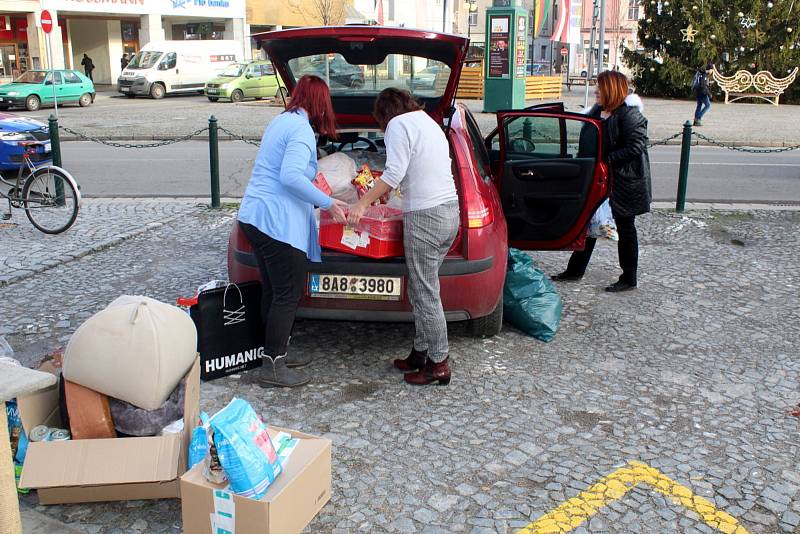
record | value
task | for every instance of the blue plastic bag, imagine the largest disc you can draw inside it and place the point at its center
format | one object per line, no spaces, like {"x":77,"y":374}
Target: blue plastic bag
{"x":602,"y":225}
{"x":245,"y":449}
{"x":198,"y":445}
{"x":530,"y":300}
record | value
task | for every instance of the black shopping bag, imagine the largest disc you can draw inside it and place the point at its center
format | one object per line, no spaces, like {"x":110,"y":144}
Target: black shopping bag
{"x":230,"y":333}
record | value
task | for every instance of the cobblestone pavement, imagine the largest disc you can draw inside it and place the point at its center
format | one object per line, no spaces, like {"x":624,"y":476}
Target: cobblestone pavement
{"x":142,"y":118}
{"x":693,"y":375}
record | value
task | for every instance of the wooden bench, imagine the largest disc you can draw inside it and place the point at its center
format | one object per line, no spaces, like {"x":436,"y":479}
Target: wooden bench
{"x":541,"y":87}
{"x":578,"y":80}
{"x":767,"y":87}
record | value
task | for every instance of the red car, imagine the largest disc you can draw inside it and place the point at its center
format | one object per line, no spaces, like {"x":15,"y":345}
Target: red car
{"x":533,"y":183}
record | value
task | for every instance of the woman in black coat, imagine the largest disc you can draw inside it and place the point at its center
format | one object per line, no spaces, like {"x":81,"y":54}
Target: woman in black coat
{"x":625,"y":149}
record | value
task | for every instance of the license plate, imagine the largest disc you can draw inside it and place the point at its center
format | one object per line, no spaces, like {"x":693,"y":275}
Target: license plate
{"x":340,"y":286}
{"x":124,"y":89}
{"x":212,"y":91}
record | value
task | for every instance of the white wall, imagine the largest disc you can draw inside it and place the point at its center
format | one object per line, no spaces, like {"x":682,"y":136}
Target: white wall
{"x":92,"y":37}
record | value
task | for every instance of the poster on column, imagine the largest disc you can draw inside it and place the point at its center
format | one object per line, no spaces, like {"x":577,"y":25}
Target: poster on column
{"x":520,"y":49}
{"x":499,"y":47}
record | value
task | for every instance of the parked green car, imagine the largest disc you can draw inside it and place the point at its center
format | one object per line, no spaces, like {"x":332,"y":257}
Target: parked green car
{"x":34,"y":89}
{"x":253,"y":79}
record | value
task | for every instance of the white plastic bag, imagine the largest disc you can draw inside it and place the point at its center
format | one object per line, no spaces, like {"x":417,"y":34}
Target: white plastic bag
{"x":602,"y":225}
{"x":339,"y":170}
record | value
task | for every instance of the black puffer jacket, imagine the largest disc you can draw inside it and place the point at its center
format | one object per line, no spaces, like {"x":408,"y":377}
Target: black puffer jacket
{"x":625,"y":135}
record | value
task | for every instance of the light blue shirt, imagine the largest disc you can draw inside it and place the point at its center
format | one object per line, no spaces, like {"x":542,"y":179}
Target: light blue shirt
{"x":280,"y":198}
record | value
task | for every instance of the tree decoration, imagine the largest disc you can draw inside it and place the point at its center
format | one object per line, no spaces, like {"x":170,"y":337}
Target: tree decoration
{"x":748,"y":22}
{"x":689,"y":33}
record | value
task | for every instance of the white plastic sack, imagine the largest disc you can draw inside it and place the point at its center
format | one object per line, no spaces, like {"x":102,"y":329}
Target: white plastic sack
{"x":602,"y":225}
{"x":339,"y":171}
{"x":137,"y":349}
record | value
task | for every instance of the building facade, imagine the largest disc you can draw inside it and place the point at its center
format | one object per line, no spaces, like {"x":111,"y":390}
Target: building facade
{"x":622,"y":23}
{"x":106,"y":29}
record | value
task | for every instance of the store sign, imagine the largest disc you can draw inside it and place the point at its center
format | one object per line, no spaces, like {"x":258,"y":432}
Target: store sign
{"x":499,"y":49}
{"x":189,"y":8}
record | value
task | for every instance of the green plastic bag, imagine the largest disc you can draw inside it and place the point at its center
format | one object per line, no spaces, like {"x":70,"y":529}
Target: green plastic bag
{"x":530,"y":300}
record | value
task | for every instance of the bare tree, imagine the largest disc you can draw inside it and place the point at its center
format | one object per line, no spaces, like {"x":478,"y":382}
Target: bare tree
{"x":323,"y":12}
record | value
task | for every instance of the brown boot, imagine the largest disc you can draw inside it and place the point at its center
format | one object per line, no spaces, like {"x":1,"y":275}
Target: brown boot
{"x":431,"y":373}
{"x":415,"y":361}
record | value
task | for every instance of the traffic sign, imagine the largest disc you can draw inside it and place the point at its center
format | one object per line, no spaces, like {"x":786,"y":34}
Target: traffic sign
{"x":564,"y":51}
{"x":47,"y":21}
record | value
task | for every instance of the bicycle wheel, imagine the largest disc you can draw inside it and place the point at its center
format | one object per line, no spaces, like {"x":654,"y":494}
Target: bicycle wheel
{"x":50,"y":200}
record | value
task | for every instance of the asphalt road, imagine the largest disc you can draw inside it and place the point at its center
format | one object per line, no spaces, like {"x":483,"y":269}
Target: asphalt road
{"x":182,"y":170}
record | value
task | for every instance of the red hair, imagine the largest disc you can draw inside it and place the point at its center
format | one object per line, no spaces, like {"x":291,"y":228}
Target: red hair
{"x":312,"y":94}
{"x":613,"y":88}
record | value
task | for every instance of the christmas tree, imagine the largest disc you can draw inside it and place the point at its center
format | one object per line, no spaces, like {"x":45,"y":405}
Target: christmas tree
{"x":676,"y":37}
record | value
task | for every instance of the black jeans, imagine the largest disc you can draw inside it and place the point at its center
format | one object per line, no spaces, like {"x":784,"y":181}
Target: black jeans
{"x":284,"y":270}
{"x":627,"y":248}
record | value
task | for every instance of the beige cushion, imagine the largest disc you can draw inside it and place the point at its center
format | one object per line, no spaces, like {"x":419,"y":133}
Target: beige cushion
{"x":137,"y":350}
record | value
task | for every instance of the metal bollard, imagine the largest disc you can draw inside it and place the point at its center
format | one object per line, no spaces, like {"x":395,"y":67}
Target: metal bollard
{"x":213,"y":158}
{"x":683,"y":171}
{"x":55,"y":149}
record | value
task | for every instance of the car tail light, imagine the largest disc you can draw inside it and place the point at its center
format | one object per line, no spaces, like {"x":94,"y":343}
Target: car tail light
{"x":478,"y":213}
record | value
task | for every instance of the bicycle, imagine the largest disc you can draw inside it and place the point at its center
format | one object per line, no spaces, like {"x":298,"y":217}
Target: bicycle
{"x":49,"y":195}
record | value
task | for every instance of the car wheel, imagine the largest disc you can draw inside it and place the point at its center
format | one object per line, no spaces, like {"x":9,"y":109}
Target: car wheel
{"x":237,"y":96}
{"x":491,"y":325}
{"x":85,"y":100}
{"x":32,"y":103}
{"x":281,"y":93}
{"x":213,"y":98}
{"x":157,"y":91}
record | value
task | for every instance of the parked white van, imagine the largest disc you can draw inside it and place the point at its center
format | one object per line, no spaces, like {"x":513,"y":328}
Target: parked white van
{"x":166,"y":67}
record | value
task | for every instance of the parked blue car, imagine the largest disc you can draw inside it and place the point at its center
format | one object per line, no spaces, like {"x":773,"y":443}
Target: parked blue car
{"x":14,"y":129}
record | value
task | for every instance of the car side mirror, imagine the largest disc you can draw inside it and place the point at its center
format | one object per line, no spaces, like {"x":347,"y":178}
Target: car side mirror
{"x":248,"y":75}
{"x":48,"y":82}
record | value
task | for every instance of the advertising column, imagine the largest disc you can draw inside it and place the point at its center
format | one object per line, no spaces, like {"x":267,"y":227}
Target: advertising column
{"x":505,"y":58}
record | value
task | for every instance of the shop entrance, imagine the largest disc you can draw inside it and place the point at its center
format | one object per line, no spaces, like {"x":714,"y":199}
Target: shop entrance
{"x":9,"y":61}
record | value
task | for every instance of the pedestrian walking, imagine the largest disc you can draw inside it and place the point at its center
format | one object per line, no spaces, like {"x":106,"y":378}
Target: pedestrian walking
{"x":418,"y":162}
{"x":277,"y":217}
{"x":88,"y":66}
{"x":701,"y":92}
{"x":123,"y":62}
{"x":625,"y":132}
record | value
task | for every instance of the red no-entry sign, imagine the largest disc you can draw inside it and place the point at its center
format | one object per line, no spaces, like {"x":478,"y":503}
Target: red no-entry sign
{"x":47,"y":21}
{"x":564,"y":51}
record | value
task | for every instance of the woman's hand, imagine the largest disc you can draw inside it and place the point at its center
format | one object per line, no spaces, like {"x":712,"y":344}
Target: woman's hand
{"x":337,"y":211}
{"x":356,"y":212}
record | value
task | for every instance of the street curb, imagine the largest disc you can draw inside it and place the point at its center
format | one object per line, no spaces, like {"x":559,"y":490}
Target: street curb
{"x":725,"y":206}
{"x":98,"y":247}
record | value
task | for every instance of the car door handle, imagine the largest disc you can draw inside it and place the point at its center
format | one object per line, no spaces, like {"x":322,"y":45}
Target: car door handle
{"x":528,"y":173}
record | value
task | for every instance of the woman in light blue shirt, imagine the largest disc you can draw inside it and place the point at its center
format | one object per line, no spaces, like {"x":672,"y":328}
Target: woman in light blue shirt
{"x":277,"y":216}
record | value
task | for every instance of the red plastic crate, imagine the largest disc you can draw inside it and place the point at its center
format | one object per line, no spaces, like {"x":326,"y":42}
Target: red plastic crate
{"x":385,"y":236}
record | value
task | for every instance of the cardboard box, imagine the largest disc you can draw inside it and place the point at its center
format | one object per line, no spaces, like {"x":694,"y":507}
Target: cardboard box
{"x":289,"y":505}
{"x":92,"y":470}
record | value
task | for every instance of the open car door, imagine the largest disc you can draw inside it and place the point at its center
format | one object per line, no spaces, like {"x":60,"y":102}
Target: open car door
{"x":548,"y":167}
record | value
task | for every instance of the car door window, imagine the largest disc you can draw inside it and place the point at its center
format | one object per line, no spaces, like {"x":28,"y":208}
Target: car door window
{"x":478,"y":147}
{"x":551,"y":177}
{"x":254,"y":71}
{"x":548,"y":138}
{"x":268,"y":69}
{"x":71,"y":77}
{"x":49,"y":79}
{"x":170,"y":61}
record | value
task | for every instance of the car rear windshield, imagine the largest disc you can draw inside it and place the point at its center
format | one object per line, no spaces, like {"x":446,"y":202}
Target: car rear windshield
{"x":36,"y":77}
{"x":422,"y":76}
{"x":144,"y":60}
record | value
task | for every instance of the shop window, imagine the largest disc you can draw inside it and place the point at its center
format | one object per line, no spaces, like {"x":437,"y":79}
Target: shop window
{"x":71,"y":77}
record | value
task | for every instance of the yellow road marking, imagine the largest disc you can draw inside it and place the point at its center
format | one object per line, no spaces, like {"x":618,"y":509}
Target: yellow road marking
{"x":572,"y":513}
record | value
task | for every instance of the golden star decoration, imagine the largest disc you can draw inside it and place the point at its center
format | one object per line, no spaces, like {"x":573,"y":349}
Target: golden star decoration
{"x":689,"y":33}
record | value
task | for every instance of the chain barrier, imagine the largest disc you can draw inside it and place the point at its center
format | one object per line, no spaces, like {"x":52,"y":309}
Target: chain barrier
{"x":747,"y":150}
{"x":239,"y":137}
{"x":664,"y":141}
{"x":134,"y":145}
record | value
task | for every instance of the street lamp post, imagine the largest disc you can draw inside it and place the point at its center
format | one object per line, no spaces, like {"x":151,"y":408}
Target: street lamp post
{"x":472,"y":7}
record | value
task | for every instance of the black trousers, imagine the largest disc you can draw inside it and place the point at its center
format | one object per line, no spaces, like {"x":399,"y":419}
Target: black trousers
{"x":284,"y":270}
{"x":627,"y":248}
